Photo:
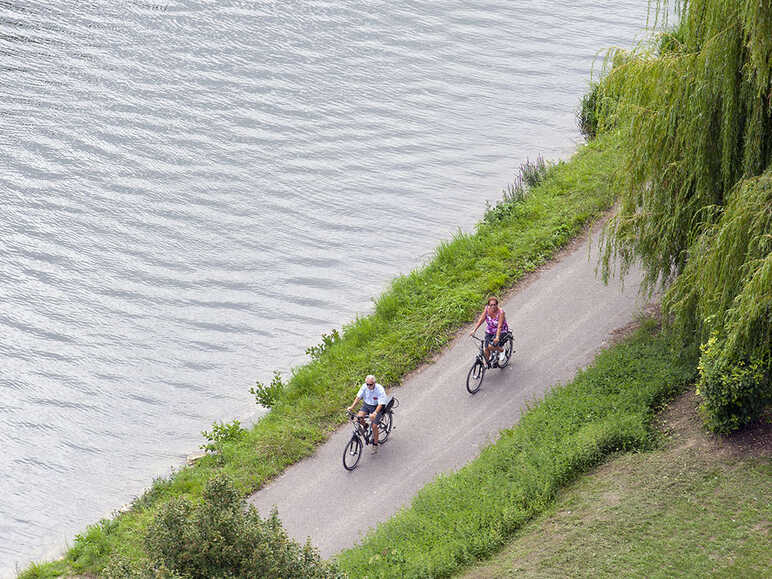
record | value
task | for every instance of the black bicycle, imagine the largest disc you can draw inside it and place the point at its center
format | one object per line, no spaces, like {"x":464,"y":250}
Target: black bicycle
{"x":362,"y":435}
{"x":476,"y":374}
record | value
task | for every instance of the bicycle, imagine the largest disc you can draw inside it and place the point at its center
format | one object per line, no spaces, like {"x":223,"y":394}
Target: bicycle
{"x":476,"y":374}
{"x":363,"y":435}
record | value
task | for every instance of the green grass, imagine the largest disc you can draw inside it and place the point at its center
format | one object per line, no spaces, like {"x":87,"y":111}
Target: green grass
{"x":412,"y":320}
{"x":467,"y":516}
{"x":685,"y":509}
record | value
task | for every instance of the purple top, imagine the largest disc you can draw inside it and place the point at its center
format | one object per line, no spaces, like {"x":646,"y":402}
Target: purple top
{"x":493,"y":323}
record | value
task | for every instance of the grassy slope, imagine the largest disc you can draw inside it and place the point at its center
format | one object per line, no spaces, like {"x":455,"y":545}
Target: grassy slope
{"x":412,"y":320}
{"x":696,"y":506}
{"x":467,"y":516}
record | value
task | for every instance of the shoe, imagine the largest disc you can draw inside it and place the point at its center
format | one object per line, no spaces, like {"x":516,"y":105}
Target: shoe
{"x":374,"y":449}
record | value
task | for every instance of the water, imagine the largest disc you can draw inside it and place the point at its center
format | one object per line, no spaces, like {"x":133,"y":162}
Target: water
{"x":192,"y":192}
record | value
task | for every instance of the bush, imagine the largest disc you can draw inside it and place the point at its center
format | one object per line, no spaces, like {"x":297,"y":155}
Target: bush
{"x":220,"y":537}
{"x":734,"y":393}
{"x":221,"y":433}
{"x":269,"y":395}
{"x":587,"y":116}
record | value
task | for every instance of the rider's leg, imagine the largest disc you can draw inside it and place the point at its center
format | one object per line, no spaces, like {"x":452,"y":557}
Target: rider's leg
{"x":375,"y":430}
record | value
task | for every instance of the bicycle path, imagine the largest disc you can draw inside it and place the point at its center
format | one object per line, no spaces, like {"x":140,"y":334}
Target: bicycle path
{"x":561,"y":317}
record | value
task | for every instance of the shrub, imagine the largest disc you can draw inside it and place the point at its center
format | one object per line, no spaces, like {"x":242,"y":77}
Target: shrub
{"x":734,"y":392}
{"x":222,"y":433}
{"x":220,"y":537}
{"x":587,"y":116}
{"x":269,"y":395}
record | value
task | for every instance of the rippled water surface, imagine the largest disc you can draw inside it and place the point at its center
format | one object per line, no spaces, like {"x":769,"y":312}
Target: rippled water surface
{"x":192,"y":192}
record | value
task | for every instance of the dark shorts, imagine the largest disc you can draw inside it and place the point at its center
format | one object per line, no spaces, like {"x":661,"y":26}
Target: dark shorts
{"x":369,"y":409}
{"x":502,"y":339}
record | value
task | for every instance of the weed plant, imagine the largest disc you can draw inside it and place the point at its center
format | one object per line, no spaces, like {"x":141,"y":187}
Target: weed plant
{"x":411,"y":321}
{"x":461,"y":518}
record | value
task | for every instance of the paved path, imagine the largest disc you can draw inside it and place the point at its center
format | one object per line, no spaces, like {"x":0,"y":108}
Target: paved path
{"x":561,"y":317}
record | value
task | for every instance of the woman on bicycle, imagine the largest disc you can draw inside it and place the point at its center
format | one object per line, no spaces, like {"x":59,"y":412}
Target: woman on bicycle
{"x":496,"y":321}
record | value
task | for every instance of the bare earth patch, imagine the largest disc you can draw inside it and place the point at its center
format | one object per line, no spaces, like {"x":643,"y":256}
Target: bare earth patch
{"x":681,"y":422}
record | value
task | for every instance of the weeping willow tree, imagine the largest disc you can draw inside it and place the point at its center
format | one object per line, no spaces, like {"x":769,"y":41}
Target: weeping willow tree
{"x":695,"y":110}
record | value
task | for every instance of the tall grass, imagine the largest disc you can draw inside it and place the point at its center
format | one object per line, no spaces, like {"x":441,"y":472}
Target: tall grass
{"x":413,"y":319}
{"x":461,"y":518}
{"x":695,"y":114}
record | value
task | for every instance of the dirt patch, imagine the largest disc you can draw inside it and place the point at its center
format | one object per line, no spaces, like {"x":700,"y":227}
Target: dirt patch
{"x":682,"y":423}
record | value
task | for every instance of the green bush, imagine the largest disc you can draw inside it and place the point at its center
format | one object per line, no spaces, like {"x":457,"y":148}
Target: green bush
{"x":221,"y":433}
{"x":220,"y":537}
{"x":587,"y":116}
{"x":734,"y":392}
{"x":269,"y":395}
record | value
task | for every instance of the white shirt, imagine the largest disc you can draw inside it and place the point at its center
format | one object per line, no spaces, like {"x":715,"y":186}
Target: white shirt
{"x":373,"y":397}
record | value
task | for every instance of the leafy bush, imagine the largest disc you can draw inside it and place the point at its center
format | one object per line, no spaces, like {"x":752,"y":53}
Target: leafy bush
{"x":220,"y":537}
{"x":734,"y":392}
{"x":315,"y":352}
{"x":269,"y":395}
{"x":222,"y":433}
{"x":723,"y":301}
{"x":587,"y":116}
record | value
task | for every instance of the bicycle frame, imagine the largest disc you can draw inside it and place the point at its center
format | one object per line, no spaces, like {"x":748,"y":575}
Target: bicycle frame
{"x":363,"y":435}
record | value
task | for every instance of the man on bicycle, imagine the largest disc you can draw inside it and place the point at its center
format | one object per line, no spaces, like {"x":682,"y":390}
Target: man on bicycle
{"x":373,"y":398}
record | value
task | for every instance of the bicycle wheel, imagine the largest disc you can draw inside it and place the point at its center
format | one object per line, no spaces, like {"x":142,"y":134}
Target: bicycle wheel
{"x":475,"y":376}
{"x":352,"y":453}
{"x":384,"y":427}
{"x":506,"y":354}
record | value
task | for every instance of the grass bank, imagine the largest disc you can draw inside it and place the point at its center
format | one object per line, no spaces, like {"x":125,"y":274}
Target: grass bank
{"x":467,"y":516}
{"x":412,"y":320}
{"x":696,"y":506}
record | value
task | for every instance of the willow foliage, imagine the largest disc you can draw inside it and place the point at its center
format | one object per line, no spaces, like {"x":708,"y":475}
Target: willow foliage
{"x":724,"y":298}
{"x":695,"y":111}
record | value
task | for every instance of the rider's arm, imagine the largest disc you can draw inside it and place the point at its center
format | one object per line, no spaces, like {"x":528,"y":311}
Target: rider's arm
{"x":480,"y":320}
{"x":502,"y":317}
{"x":354,"y":403}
